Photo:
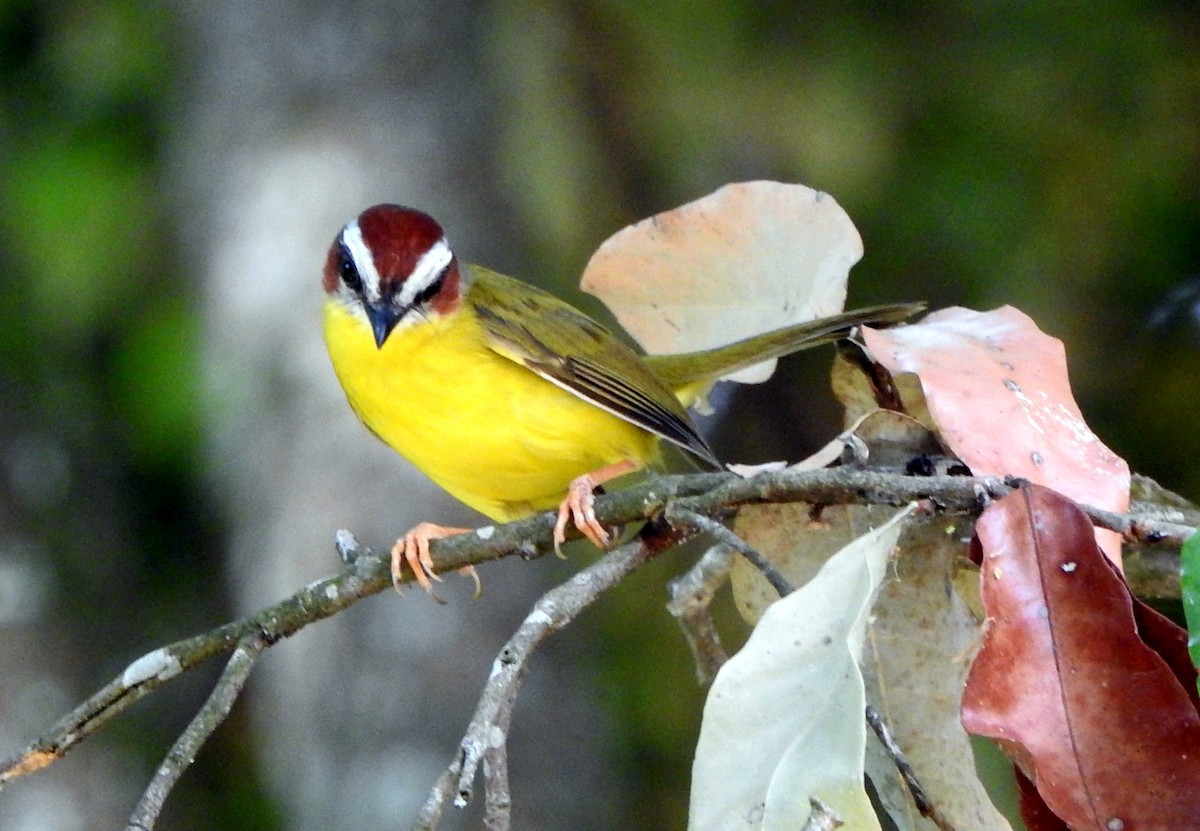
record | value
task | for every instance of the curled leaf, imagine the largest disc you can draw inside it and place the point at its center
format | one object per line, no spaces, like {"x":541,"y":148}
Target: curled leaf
{"x":784,"y":719}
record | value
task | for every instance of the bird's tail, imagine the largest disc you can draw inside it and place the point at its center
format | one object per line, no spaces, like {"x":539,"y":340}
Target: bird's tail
{"x":689,"y":374}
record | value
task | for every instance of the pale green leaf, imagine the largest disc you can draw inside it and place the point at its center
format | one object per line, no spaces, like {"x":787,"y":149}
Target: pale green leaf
{"x":784,"y":719}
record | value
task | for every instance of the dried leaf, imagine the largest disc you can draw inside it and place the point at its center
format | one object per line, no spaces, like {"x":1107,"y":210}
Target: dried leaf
{"x":1034,"y":811}
{"x":797,"y":540}
{"x":749,"y":258}
{"x":784,"y":719}
{"x":919,"y":645}
{"x":748,"y":471}
{"x":995,"y":389}
{"x":824,"y":457}
{"x":1065,"y":683}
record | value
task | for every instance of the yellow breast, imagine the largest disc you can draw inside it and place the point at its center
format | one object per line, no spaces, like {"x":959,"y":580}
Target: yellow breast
{"x":486,"y":429}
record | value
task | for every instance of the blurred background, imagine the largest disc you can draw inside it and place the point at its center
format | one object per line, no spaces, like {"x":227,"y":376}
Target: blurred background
{"x":174,"y":450}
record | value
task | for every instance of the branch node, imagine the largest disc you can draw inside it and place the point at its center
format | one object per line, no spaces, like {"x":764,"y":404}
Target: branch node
{"x":691,"y":594}
{"x":347,"y":546}
{"x":179,"y":758}
{"x":678,"y":516}
{"x":486,"y":738}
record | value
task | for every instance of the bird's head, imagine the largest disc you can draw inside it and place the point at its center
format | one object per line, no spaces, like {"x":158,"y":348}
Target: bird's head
{"x":392,"y":265}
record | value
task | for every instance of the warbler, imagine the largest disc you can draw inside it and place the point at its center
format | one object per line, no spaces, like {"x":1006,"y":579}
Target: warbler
{"x":507,"y":397}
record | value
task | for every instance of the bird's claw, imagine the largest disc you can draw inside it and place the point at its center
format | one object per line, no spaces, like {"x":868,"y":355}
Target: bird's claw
{"x":413,"y":550}
{"x":469,"y":571}
{"x":579,"y":508}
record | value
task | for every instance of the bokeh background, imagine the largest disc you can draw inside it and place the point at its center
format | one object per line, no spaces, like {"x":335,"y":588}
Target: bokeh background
{"x":173,"y":448}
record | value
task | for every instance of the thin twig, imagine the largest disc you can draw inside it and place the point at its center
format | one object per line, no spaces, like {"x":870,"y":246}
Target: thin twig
{"x":487,"y":734}
{"x":1144,"y":531}
{"x":497,"y":805}
{"x":682,"y":517}
{"x":920,"y":798}
{"x":691,"y":595}
{"x":218,"y":706}
{"x":320,"y":600}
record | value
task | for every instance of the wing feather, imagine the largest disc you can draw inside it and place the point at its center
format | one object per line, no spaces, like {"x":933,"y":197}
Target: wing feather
{"x":521,"y":323}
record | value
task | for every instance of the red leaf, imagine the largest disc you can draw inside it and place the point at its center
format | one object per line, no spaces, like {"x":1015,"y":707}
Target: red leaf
{"x":1170,"y":642}
{"x":1036,"y":815}
{"x":1095,"y":717}
{"x":997,"y":393}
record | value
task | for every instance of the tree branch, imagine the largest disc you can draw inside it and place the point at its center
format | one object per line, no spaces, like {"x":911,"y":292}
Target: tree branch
{"x":683,"y":518}
{"x":920,"y":799}
{"x":691,"y":595}
{"x":486,"y":738}
{"x":695,"y":501}
{"x":212,"y":714}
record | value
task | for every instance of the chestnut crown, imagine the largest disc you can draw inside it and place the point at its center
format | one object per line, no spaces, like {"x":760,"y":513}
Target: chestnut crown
{"x":393,"y":265}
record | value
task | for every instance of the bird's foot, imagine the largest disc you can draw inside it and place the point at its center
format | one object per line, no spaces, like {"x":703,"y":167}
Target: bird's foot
{"x":579,"y":505}
{"x":413,"y":550}
{"x":579,"y":508}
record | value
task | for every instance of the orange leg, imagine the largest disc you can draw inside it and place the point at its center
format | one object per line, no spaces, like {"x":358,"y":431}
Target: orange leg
{"x":413,"y":549}
{"x":578,"y":504}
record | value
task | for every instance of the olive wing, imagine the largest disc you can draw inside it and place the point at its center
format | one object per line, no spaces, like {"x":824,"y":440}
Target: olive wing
{"x":569,"y":349}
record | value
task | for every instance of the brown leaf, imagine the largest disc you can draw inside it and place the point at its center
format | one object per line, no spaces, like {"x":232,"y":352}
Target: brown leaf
{"x":1034,"y":812}
{"x":797,"y":542}
{"x":1092,"y":714}
{"x":1170,"y":642}
{"x":996,"y":391}
{"x":919,"y":645}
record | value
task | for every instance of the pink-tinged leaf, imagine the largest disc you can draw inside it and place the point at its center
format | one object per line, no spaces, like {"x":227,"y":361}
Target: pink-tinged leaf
{"x":749,"y":258}
{"x":1064,"y":681}
{"x":996,"y":390}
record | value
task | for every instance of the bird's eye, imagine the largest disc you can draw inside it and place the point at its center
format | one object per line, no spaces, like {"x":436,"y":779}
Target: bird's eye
{"x":349,"y":272}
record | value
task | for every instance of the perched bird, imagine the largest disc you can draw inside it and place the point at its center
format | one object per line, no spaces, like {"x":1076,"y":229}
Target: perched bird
{"x":508,"y":398}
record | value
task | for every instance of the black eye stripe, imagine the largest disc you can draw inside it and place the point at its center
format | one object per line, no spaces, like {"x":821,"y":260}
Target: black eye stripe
{"x":430,"y":291}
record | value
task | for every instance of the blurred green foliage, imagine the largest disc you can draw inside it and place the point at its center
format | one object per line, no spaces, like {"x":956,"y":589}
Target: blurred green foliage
{"x":99,"y":364}
{"x":1040,"y":154}
{"x":83,"y":89}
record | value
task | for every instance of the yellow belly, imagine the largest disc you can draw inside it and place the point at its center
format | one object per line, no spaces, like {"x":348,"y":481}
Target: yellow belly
{"x":486,"y":429}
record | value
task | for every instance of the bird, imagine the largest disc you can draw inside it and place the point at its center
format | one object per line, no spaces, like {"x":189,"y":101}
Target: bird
{"x":507,"y":397}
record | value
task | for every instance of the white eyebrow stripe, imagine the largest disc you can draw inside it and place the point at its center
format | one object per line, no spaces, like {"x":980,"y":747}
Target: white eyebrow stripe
{"x":364,"y":261}
{"x":426,"y":271}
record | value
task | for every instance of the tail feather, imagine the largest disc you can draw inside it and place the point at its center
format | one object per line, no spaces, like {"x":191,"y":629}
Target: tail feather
{"x":688,"y":369}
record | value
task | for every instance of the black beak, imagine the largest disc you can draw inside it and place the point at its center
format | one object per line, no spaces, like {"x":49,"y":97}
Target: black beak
{"x":383,"y":319}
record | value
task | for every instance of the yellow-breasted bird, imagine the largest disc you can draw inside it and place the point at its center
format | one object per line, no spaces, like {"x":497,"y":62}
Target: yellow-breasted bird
{"x":508,"y":398}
